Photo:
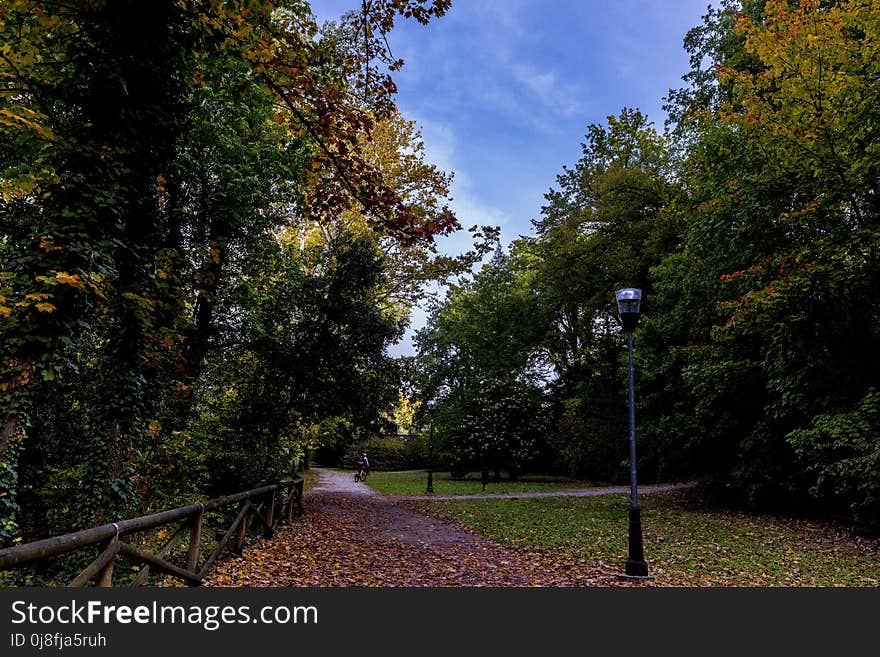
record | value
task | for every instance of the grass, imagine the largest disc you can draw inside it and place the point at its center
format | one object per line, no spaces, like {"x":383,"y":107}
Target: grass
{"x":684,"y":545}
{"x":309,"y":478}
{"x":414,"y":483}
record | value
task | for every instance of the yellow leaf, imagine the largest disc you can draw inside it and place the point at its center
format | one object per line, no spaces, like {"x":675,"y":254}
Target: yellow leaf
{"x":69,"y":279}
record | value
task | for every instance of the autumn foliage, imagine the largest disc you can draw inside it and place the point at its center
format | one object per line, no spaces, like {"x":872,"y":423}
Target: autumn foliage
{"x":156,"y":160}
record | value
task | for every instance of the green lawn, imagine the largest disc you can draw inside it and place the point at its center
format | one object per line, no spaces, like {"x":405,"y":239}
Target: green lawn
{"x":683,"y":545}
{"x":414,"y":483}
{"x":309,"y":478}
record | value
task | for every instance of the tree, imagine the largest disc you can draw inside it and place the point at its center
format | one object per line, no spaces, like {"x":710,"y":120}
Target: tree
{"x":107,"y":127}
{"x":128,"y":205}
{"x":396,"y":150}
{"x":603,"y":228}
{"x":779,"y":254}
{"x":477,"y":352}
{"x":485,"y":328}
{"x":298,"y":348}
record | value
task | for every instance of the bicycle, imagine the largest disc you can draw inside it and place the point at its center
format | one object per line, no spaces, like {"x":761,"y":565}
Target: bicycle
{"x":361,"y":474}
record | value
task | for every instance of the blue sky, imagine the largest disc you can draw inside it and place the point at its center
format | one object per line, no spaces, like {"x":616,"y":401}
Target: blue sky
{"x":504,"y":90}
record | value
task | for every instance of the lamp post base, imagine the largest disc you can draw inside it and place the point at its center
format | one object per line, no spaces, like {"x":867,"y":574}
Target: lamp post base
{"x":636,"y":566}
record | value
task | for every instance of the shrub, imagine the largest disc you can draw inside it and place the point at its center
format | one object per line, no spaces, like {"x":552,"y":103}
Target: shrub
{"x":389,"y":453}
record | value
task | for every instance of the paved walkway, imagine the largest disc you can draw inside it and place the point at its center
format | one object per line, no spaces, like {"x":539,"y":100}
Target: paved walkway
{"x":578,"y":492}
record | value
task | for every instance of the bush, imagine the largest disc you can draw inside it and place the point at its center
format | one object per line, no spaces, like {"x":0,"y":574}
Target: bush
{"x":841,"y":454}
{"x":594,"y":449}
{"x":389,"y":454}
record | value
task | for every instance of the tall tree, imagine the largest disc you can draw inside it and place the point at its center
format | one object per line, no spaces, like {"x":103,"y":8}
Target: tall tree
{"x":780,"y":253}
{"x":603,"y":228}
{"x":478,"y":354}
{"x":115,"y":237}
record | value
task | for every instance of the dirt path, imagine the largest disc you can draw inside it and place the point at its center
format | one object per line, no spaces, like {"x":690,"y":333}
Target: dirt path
{"x":351,"y":535}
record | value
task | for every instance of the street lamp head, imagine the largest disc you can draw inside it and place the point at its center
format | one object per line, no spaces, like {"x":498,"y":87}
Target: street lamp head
{"x":628,"y":301}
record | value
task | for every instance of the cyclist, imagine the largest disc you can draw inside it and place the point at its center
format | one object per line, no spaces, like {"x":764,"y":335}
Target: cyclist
{"x":363,"y":467}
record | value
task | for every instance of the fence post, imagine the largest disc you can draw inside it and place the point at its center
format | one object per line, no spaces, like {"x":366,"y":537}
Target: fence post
{"x":298,"y":486}
{"x":242,"y":528}
{"x":270,"y":512}
{"x":195,"y":538}
{"x":104,"y":577}
{"x":291,"y":500}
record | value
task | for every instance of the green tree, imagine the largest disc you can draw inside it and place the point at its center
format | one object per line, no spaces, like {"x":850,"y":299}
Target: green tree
{"x":298,"y":348}
{"x":478,"y":353}
{"x":763,"y":310}
{"x":603,"y":228}
{"x":147,"y":152}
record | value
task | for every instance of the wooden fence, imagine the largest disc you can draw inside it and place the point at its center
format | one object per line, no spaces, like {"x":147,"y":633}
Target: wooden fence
{"x":114,"y":538}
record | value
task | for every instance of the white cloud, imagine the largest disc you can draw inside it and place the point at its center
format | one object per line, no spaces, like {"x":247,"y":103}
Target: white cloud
{"x":487,"y":55}
{"x":564,"y":99}
{"x":440,"y":149}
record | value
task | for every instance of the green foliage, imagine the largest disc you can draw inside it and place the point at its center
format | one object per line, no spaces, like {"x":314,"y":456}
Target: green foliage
{"x":603,"y":229}
{"x":841,"y":452}
{"x":503,"y":423}
{"x":589,"y":441}
{"x":164,"y":334}
{"x":302,"y":348}
{"x":9,"y":507}
{"x":760,"y":327}
{"x":387,"y":454}
{"x":478,"y":349}
{"x":486,"y":327}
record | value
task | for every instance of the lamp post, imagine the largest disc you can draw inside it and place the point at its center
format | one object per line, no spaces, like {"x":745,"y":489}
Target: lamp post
{"x":628,"y":302}
{"x":431,"y":405}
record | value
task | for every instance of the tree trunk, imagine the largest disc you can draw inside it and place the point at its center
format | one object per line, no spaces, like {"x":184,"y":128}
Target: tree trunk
{"x":135,"y":101}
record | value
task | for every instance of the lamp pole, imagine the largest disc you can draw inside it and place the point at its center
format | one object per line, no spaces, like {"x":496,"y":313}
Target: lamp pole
{"x":431,"y":405}
{"x":628,"y":303}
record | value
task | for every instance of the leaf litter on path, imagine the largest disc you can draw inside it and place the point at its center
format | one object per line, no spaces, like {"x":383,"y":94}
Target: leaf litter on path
{"x":368,"y":540}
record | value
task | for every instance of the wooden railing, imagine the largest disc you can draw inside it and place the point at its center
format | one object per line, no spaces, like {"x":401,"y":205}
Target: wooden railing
{"x":114,"y":538}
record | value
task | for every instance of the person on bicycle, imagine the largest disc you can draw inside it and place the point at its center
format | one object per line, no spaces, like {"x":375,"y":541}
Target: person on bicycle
{"x":363,"y":467}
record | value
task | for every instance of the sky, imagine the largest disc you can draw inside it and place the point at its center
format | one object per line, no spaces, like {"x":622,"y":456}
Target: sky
{"x":503,"y":91}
